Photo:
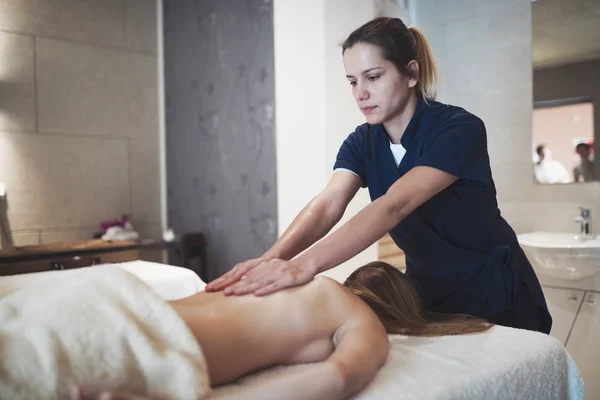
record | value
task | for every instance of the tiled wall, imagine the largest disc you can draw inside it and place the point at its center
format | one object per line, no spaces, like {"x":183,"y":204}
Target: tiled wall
{"x":483,"y":48}
{"x":78,"y":116}
{"x":220,"y":126}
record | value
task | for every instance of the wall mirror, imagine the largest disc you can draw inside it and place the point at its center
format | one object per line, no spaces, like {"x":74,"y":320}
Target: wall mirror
{"x":566,"y":90}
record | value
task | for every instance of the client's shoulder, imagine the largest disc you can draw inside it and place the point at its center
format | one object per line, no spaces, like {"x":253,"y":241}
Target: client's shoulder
{"x":317,"y":288}
{"x":317,"y":291}
{"x":325,"y":281}
{"x":352,"y":315}
{"x":335,"y":294}
{"x":329,"y":286}
{"x":329,"y":294}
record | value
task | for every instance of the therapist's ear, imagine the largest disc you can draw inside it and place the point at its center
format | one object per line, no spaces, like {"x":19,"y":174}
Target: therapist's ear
{"x":413,"y":69}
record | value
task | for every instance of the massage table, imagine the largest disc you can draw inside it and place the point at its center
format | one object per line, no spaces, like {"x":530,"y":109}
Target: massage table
{"x":503,"y":363}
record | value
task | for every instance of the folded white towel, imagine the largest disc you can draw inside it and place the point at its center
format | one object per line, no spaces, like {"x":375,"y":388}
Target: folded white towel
{"x":101,"y":328}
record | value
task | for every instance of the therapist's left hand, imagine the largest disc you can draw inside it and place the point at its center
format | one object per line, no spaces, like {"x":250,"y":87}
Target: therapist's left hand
{"x":270,"y":276}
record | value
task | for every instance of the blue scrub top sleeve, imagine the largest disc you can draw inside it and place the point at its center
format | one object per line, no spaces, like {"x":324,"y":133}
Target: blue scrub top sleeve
{"x":350,"y":157}
{"x":460,"y":149}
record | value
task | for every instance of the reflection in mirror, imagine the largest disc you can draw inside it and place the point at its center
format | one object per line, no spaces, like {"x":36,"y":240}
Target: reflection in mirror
{"x":563,"y":133}
{"x":566,"y":89}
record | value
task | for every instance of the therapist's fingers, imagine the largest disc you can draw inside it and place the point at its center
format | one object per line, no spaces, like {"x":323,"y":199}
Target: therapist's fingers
{"x":254,"y":280}
{"x":251,"y":284}
{"x":273,"y":287}
{"x":245,"y":289}
{"x":292,"y":275}
{"x":233,"y":276}
{"x":271,"y":276}
{"x":226,"y":279}
{"x":264,"y":274}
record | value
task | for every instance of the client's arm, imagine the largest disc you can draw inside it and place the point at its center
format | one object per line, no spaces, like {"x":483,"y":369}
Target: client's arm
{"x":361,"y":351}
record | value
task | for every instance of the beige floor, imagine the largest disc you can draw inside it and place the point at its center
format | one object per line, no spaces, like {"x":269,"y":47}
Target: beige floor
{"x":390,"y":253}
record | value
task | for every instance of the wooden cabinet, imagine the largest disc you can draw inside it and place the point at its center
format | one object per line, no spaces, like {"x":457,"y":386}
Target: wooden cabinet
{"x":563,"y":305}
{"x":584,"y":344}
{"x":68,"y":255}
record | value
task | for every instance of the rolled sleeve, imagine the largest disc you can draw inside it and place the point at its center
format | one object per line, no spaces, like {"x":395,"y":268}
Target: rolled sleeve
{"x":350,"y":156}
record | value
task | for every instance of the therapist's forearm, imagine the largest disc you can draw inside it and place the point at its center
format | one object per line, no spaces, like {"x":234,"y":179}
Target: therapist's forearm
{"x":313,"y":222}
{"x":364,"y":229}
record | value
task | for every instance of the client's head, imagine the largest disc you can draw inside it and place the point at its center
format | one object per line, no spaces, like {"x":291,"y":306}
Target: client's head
{"x":394,"y":299}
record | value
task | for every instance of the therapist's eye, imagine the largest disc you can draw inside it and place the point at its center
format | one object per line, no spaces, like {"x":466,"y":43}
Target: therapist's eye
{"x":352,"y":83}
{"x":373,"y":78}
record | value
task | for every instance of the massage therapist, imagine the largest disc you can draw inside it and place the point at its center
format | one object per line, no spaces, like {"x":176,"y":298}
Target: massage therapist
{"x":427,"y":169}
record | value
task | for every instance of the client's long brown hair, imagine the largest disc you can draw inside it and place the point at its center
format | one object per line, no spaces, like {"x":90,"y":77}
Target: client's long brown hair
{"x":398,"y":305}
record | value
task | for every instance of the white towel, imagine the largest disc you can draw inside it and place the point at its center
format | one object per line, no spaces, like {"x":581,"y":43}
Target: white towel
{"x":101,"y":328}
{"x":169,"y":281}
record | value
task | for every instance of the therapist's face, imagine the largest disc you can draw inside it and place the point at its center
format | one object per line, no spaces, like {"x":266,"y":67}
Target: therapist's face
{"x":379,"y":89}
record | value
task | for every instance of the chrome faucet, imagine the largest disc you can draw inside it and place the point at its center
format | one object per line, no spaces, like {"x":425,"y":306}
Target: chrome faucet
{"x":584,"y":220}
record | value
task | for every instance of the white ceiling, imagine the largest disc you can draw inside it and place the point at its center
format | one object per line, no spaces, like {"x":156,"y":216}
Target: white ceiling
{"x":565,"y":31}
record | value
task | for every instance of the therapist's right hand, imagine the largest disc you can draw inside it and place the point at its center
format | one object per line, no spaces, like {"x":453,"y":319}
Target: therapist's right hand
{"x":234,"y":275}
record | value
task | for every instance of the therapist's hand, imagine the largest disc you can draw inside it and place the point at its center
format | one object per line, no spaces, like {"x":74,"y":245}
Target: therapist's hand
{"x":270,"y":276}
{"x":233,"y":276}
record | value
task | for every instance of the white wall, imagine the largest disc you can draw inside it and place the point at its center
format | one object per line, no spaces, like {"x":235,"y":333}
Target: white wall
{"x":315,"y":110}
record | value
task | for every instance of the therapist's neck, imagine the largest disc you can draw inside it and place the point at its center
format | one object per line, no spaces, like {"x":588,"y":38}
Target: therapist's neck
{"x":396,"y":125}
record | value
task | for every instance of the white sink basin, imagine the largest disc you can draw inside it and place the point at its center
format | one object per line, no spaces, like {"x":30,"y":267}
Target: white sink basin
{"x":562,"y":255}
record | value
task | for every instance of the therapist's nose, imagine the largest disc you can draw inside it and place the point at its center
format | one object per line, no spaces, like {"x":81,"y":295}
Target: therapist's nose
{"x":360,"y":92}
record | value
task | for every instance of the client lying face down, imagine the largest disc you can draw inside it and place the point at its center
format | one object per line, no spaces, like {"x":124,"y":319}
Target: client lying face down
{"x":340,"y":329}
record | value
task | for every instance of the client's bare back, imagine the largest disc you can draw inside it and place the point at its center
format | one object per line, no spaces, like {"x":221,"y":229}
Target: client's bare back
{"x":242,"y":334}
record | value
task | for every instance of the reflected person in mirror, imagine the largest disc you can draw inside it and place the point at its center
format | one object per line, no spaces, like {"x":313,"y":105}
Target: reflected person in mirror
{"x":584,"y":170}
{"x":548,"y":170}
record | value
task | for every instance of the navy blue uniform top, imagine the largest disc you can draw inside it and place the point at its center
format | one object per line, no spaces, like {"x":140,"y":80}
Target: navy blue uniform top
{"x":461,"y":254}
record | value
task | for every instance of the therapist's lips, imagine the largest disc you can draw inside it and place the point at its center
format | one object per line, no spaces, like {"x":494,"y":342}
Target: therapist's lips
{"x":368,"y":110}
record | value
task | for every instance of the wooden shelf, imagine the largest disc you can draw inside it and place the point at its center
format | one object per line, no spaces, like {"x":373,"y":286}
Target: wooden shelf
{"x":69,"y":255}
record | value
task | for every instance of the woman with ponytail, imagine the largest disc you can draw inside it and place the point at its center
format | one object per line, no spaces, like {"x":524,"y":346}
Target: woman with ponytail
{"x":427,"y":169}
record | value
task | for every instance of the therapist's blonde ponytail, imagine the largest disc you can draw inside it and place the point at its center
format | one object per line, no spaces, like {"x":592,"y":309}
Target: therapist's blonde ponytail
{"x":428,"y":72}
{"x":397,"y":303}
{"x":400,"y":44}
